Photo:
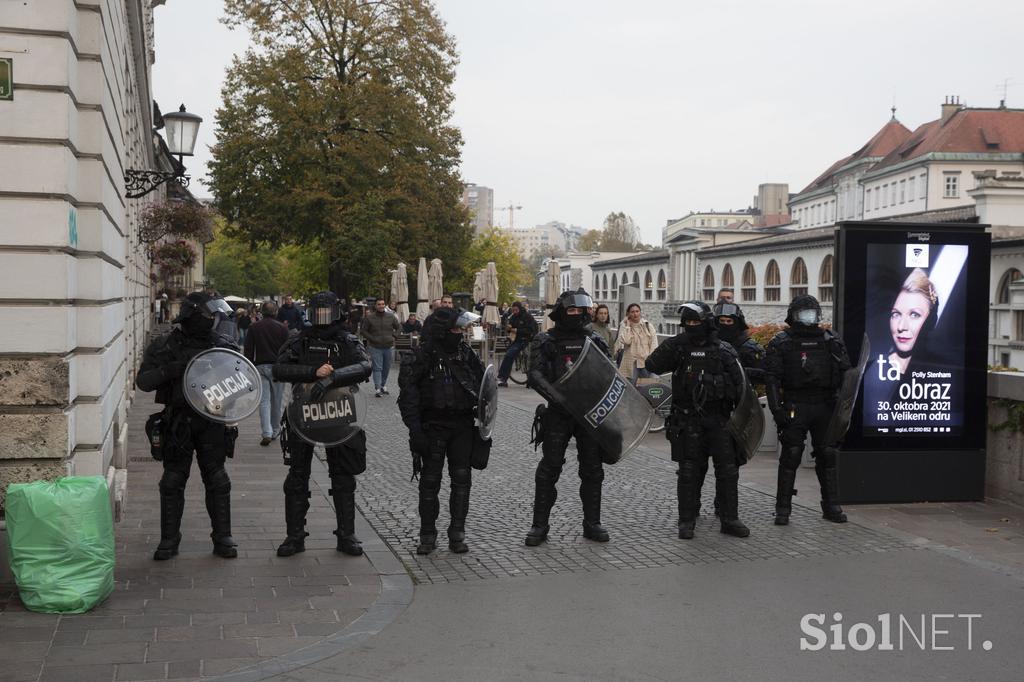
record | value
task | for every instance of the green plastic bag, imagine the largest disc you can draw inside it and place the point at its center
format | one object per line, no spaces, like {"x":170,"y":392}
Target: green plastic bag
{"x":61,"y":538}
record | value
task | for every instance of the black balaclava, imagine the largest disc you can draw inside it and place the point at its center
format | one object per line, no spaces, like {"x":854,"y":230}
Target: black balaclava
{"x":437,"y":329}
{"x":572,"y":299}
{"x":697,"y":311}
{"x":733,"y":333}
{"x":798,"y":309}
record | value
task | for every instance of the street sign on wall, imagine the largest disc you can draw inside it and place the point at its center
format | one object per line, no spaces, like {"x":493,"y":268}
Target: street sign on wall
{"x":6,"y":78}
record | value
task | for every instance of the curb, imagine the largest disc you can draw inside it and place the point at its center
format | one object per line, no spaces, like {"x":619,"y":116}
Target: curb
{"x":396,"y":594}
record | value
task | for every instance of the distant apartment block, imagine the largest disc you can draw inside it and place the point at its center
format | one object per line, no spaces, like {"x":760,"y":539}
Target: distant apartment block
{"x":480,"y":202}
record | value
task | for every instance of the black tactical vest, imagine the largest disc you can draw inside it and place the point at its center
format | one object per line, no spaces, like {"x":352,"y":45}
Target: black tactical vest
{"x":807,"y":364}
{"x":446,"y":385}
{"x":565,"y":352}
{"x":318,"y":351}
{"x":700,"y":377}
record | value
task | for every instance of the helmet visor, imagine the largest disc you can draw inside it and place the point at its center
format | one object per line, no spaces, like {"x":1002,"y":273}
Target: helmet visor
{"x":323,"y":316}
{"x":691,"y":311}
{"x":578,"y":300}
{"x":219,"y":305}
{"x":466,"y":319}
{"x":727,"y":310}
{"x":807,"y":316}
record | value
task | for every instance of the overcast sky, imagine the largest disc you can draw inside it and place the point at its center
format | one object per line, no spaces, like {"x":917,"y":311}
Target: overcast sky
{"x":576,"y":108}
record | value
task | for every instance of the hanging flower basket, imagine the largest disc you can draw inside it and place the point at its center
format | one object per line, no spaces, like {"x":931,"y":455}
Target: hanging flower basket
{"x":179,"y":219}
{"x":174,"y":258}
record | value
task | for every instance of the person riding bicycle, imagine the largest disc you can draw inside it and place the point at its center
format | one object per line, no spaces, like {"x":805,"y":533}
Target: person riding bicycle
{"x":522,"y":323}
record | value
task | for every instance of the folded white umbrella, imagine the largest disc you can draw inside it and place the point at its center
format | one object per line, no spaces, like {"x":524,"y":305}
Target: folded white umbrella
{"x":490,"y":293}
{"x":552,"y":288}
{"x":422,"y":291}
{"x":435,"y":279}
{"x":402,"y":293}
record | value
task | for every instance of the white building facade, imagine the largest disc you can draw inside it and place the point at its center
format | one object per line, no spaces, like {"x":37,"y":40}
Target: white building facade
{"x":479,"y":200}
{"x":75,"y":296}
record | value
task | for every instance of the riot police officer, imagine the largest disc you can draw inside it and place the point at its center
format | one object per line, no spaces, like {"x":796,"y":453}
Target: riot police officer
{"x":182,"y":430}
{"x":731,"y":325}
{"x":439,"y":385}
{"x":324,"y":353}
{"x":804,"y":368}
{"x":706,"y":383}
{"x":552,"y":353}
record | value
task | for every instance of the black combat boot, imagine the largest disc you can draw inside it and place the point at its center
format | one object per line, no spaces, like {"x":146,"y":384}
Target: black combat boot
{"x":458,"y":504}
{"x":590,"y":494}
{"x":829,"y":480}
{"x":727,"y":490}
{"x":218,"y":504}
{"x":784,"y":495}
{"x":172,"y":504}
{"x":686,"y":495}
{"x":296,"y":504}
{"x":543,"y":500}
{"x":429,"y":508}
{"x":343,"y":490}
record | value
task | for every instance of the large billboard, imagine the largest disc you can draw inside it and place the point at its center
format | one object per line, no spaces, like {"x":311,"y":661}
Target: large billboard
{"x":918,"y":293}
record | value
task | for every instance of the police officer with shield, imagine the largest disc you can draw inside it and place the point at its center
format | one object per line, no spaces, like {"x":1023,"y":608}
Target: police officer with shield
{"x":439,"y":384}
{"x":804,"y":368}
{"x":179,"y":430}
{"x":552,"y":354}
{"x":706,"y":384}
{"x":325,"y":356}
{"x":731,"y":325}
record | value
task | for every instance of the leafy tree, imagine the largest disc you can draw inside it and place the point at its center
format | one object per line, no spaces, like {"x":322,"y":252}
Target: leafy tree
{"x":493,"y":244}
{"x":590,"y":241}
{"x":620,"y":233}
{"x":335,"y":130}
{"x":234,"y":267}
{"x":302,"y":270}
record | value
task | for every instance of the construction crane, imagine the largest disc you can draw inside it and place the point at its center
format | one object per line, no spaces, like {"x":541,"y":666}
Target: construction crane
{"x":511,"y":208}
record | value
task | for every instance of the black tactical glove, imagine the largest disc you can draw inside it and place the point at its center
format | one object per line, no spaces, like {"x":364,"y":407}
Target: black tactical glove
{"x":419,"y":442}
{"x":176,"y":369}
{"x":319,"y":389}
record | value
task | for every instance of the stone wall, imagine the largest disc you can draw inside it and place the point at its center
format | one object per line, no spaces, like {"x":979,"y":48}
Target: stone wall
{"x":74,"y":297}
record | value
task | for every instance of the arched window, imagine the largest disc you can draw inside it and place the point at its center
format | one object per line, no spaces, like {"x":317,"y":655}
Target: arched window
{"x":604,"y":286}
{"x":597,"y":289}
{"x":1003,"y":292}
{"x":727,"y":278}
{"x":615,"y":286}
{"x":798,"y":279}
{"x":749,"y":290}
{"x":709,"y":284}
{"x":660,"y":328}
{"x":648,"y":286}
{"x":826,"y":278}
{"x":772,"y":282}
{"x":662,"y":286}
{"x":636,"y":278}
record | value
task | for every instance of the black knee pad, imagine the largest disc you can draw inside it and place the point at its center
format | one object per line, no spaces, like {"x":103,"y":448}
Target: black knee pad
{"x":460,"y":476}
{"x":343,"y":484}
{"x":791,"y":456}
{"x":591,"y":473}
{"x":295,"y":483}
{"x":173,"y":481}
{"x":688,"y":468}
{"x":218,"y":481}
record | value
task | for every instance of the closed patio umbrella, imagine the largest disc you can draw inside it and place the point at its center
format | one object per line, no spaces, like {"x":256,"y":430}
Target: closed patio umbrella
{"x":435,"y":279}
{"x":552,"y":288}
{"x":422,"y":291}
{"x":401,"y":293}
{"x":490,"y":293}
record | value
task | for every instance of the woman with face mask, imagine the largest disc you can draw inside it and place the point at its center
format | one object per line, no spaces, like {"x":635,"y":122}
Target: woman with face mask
{"x":637,"y":338}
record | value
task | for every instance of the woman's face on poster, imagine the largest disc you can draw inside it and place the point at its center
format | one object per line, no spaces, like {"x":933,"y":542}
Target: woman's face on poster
{"x":909,"y":313}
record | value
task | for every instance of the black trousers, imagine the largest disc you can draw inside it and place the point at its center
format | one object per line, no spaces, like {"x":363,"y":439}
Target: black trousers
{"x":344,"y":463}
{"x":558,"y":428}
{"x":451,"y":440}
{"x":808,"y":418}
{"x":189,"y":433}
{"x":694,"y":438}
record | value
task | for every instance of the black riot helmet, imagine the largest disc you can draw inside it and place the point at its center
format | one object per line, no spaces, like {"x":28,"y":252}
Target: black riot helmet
{"x":697,"y":319}
{"x":200,"y":313}
{"x":444,"y":327}
{"x":804,"y":311}
{"x":324,"y":309}
{"x":579,"y":299}
{"x":729,"y":332}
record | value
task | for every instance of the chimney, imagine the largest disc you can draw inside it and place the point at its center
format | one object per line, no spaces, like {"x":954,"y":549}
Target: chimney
{"x":949,"y":107}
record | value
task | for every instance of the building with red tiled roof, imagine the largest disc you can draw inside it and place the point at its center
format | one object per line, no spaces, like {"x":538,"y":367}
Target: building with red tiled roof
{"x":899,"y":172}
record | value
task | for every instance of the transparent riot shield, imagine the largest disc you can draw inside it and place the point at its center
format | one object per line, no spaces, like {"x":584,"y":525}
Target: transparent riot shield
{"x":222,"y":385}
{"x":602,"y":401}
{"x":332,"y":420}
{"x":746,"y":423}
{"x":839,"y":423}
{"x":487,"y":403}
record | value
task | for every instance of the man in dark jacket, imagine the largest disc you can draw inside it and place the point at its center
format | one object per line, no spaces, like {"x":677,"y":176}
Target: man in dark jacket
{"x":412,"y":325}
{"x":183,"y":430}
{"x":291,"y":315}
{"x":440,"y":383}
{"x":521,"y":321}
{"x":262,"y":344}
{"x":326,"y":356}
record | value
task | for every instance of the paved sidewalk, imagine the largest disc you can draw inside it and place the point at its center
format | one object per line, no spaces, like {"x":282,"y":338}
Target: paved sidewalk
{"x":199,"y":615}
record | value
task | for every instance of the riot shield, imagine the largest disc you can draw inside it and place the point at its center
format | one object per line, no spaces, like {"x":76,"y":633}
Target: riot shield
{"x":222,"y":385}
{"x":487,"y":403}
{"x":604,"y":403}
{"x":746,"y":424}
{"x":847,"y":398}
{"x":330,"y":421}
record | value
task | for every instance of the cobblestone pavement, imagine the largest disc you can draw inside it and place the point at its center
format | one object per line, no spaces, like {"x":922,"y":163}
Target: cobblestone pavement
{"x":639,"y":511}
{"x":199,"y":615}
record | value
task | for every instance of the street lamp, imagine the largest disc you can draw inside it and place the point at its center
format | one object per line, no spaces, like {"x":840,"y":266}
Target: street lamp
{"x":182,"y":131}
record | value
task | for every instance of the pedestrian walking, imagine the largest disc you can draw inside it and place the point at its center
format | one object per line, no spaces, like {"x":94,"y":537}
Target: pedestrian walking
{"x":242,"y":323}
{"x":601,"y":324}
{"x":290,"y":314}
{"x":262,"y":345}
{"x":378,"y":330}
{"x":180,"y":430}
{"x":326,"y":354}
{"x":522,"y":323}
{"x":637,"y":339}
{"x":440,"y":382}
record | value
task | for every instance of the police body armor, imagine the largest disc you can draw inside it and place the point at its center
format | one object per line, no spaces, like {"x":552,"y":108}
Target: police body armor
{"x":451,"y":387}
{"x":810,"y":371}
{"x":701,"y":378}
